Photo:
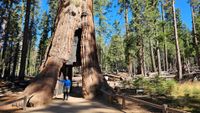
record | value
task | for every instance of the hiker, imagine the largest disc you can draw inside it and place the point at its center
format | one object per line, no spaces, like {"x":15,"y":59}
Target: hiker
{"x":66,"y":87}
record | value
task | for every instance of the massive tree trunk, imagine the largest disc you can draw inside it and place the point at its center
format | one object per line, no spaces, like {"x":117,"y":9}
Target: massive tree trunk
{"x":91,"y":72}
{"x":71,"y":20}
{"x":41,"y":90}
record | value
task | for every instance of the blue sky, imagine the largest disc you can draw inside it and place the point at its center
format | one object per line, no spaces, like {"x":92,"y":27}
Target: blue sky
{"x":185,"y":12}
{"x":181,"y":4}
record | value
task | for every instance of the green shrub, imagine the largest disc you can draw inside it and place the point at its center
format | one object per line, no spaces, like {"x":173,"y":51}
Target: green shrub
{"x":140,"y":82}
{"x":156,"y":86}
{"x":170,"y":86}
{"x":164,"y":87}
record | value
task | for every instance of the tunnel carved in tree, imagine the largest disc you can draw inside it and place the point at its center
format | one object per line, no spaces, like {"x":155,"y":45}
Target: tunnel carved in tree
{"x":69,"y":25}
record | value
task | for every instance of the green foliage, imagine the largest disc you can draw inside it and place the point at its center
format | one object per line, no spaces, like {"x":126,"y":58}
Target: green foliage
{"x":140,"y":82}
{"x":100,"y":10}
{"x":45,"y":28}
{"x":53,"y":9}
{"x":102,"y":53}
{"x":159,"y":86}
{"x":116,"y":56}
{"x":155,"y":86}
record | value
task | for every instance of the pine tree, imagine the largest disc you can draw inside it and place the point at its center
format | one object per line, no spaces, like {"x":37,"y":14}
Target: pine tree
{"x":10,"y":30}
{"x":33,"y":32}
{"x":116,"y":56}
{"x":178,"y":57}
{"x":195,"y":16}
{"x":25,"y":41}
{"x":100,"y":10}
{"x":124,"y":7}
{"x":45,"y":28}
{"x":53,"y":11}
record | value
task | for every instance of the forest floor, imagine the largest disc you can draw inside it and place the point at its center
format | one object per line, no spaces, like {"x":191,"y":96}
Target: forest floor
{"x":75,"y":104}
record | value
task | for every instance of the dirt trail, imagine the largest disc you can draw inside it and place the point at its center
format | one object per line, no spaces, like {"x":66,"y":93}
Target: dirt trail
{"x":80,"y":105}
{"x":74,"y":104}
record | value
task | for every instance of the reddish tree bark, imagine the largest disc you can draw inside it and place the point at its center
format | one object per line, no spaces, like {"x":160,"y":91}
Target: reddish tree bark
{"x":90,"y":65}
{"x":68,"y":25}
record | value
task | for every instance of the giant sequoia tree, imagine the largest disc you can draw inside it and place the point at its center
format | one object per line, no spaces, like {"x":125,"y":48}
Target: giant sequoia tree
{"x":74,"y":19}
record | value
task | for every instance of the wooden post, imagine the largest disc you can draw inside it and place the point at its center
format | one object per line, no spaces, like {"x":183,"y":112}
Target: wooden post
{"x":123,"y":103}
{"x":25,"y":102}
{"x":110,"y":99}
{"x":77,"y":84}
{"x":165,"y":108}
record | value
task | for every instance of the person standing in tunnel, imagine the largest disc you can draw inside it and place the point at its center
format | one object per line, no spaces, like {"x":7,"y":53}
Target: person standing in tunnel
{"x":66,"y":87}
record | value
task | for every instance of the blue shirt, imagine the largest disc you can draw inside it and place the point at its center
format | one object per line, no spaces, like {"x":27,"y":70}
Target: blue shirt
{"x":67,"y":83}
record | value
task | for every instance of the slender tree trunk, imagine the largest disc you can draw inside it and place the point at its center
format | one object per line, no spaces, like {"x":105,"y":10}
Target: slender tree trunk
{"x":7,"y":71}
{"x":166,"y":65}
{"x":153,"y":65}
{"x":3,"y":47}
{"x":140,"y":55}
{"x":130,"y":63}
{"x":143,"y":60}
{"x":188,"y":66}
{"x":139,"y":66}
{"x":158,"y":52}
{"x":195,"y":36}
{"x":178,"y":56}
{"x":6,"y":56}
{"x":158,"y":56}
{"x":25,"y":41}
{"x":29,"y":58}
{"x":30,"y":40}
{"x":15,"y":61}
{"x":6,"y":32}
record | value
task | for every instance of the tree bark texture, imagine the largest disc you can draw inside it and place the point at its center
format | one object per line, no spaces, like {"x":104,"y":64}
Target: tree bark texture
{"x":70,"y":19}
{"x":91,"y":72}
{"x":41,"y":90}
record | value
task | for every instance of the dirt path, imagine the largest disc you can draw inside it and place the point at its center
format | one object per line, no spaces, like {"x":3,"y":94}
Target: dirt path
{"x":74,"y":104}
{"x":80,"y":105}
